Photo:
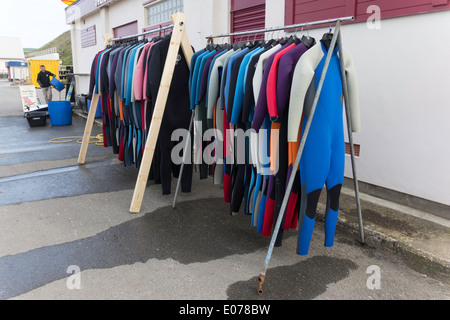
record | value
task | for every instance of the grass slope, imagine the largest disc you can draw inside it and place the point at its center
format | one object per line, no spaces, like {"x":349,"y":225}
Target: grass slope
{"x":63,"y":45}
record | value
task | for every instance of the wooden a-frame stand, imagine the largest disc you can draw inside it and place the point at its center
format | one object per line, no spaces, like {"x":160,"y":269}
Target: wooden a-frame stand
{"x":179,"y":39}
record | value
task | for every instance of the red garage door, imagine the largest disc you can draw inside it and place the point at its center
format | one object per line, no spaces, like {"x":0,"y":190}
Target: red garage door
{"x":299,"y":11}
{"x":126,"y":30}
{"x":248,"y":15}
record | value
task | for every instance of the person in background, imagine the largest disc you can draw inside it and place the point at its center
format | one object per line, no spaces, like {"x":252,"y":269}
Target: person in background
{"x":43,"y":79}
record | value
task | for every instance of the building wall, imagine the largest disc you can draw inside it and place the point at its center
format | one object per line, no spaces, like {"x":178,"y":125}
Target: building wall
{"x":405,"y":108}
{"x":105,"y":20}
{"x":3,"y":69}
{"x":10,"y":50}
{"x":205,"y":18}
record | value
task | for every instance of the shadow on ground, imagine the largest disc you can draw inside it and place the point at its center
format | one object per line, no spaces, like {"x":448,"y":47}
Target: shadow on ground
{"x":302,"y":281}
{"x":197,"y":231}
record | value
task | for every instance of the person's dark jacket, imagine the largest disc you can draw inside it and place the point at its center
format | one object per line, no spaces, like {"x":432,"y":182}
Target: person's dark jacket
{"x":43,"y":78}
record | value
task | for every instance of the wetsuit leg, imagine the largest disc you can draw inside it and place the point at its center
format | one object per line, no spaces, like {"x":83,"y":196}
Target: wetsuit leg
{"x":251,"y":190}
{"x":256,"y":195}
{"x":314,"y":169}
{"x":227,"y":160}
{"x":262,"y":203}
{"x":269,"y":209}
{"x":281,"y":177}
{"x":239,"y":177}
{"x":218,"y":156}
{"x":335,"y":178}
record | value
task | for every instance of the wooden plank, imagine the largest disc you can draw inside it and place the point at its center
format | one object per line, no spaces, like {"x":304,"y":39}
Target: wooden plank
{"x":179,"y":21}
{"x":107,"y":37}
{"x":187,"y":48}
{"x":88,"y":129}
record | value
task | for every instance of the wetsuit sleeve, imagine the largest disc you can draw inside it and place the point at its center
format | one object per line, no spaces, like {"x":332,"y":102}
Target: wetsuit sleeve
{"x":214,"y":84}
{"x":303,"y":76}
{"x":272,"y":85}
{"x":261,"y":109}
{"x":353,"y":95}
{"x":92,"y":76}
{"x":249,"y":100}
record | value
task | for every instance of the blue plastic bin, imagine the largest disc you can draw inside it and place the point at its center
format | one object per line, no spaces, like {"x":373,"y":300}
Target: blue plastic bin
{"x":57,"y":84}
{"x":60,"y":113}
{"x":98,"y":112}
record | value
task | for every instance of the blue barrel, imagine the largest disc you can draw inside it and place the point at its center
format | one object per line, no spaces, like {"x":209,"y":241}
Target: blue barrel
{"x":98,"y":112}
{"x":60,"y":113}
{"x":57,"y":84}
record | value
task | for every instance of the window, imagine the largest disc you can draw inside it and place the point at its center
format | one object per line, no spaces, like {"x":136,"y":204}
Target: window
{"x":299,"y":11}
{"x":161,"y":10}
{"x":88,"y":37}
{"x":126,"y":30}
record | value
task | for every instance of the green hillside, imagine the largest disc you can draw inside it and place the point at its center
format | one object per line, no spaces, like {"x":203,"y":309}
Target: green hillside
{"x":63,"y":45}
{"x":28,"y":50}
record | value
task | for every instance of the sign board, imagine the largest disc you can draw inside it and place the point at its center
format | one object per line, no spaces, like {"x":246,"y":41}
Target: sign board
{"x":80,"y":9}
{"x":29,"y":99}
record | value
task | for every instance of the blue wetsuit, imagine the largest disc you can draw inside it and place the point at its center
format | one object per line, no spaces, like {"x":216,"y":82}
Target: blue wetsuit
{"x":323,"y":158}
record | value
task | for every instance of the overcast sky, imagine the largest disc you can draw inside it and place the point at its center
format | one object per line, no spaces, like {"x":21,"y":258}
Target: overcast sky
{"x":35,"y":22}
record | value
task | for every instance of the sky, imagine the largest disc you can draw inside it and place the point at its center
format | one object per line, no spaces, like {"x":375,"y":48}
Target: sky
{"x":35,"y":22}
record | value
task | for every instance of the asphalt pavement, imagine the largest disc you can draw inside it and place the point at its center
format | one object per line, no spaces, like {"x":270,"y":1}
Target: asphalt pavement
{"x":66,"y":233}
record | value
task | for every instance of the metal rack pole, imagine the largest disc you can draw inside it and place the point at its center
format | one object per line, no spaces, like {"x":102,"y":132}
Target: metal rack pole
{"x":142,"y":34}
{"x":188,"y":141}
{"x":294,"y":26}
{"x":350,"y":135}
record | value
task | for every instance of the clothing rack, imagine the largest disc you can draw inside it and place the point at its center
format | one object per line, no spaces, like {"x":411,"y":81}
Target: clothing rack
{"x":336,"y":41}
{"x":179,"y":39}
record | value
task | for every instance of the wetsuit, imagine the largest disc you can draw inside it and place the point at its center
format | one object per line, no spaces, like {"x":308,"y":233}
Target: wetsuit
{"x":323,"y":158}
{"x":176,"y":114}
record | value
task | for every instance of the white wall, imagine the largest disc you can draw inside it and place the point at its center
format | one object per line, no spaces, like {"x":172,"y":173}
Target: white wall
{"x":126,"y":11}
{"x":274,"y":15}
{"x":206,"y":18}
{"x":3,"y":68}
{"x":403,"y":71}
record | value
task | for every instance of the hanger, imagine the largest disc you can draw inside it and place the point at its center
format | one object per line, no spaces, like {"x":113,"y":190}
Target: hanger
{"x":235,"y":45}
{"x":284,"y":40}
{"x":210,"y":47}
{"x":308,"y":41}
{"x":326,"y":39}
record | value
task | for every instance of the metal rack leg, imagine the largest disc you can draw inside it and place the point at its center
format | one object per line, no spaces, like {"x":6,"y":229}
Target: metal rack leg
{"x":188,"y":141}
{"x":350,"y":137}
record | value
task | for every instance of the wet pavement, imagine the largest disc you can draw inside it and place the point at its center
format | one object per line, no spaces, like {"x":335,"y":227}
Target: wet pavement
{"x":56,"y":217}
